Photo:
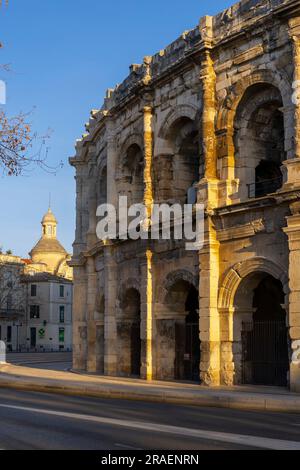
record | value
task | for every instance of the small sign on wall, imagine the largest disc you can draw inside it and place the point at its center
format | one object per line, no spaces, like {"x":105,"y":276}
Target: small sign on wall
{"x":42,"y":333}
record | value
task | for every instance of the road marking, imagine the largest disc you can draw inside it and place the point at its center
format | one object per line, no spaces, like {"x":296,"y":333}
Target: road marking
{"x":124,"y":446}
{"x":240,"y":439}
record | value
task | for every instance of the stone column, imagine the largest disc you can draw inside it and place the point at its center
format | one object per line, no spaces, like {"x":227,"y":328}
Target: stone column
{"x":208,"y":80}
{"x":293,"y":233}
{"x":78,"y":243}
{"x":208,"y":307}
{"x":209,"y":255}
{"x":112,"y":195}
{"x":148,"y":159}
{"x":227,"y":365}
{"x":147,"y":313}
{"x":91,"y":235}
{"x":291,"y":167}
{"x":110,"y":326}
{"x":79,"y":319}
{"x":91,"y":326}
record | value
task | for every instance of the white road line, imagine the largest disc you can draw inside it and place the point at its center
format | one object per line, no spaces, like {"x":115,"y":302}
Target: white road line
{"x":124,"y":446}
{"x":240,"y":439}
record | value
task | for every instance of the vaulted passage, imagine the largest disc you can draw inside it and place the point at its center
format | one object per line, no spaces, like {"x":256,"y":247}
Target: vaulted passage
{"x":129,"y":334}
{"x":178,"y":342}
{"x":260,"y":141}
{"x":179,"y":168}
{"x":264,"y":333}
{"x":192,"y":339}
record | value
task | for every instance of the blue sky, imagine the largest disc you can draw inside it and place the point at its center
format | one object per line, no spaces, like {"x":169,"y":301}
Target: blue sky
{"x":64,"y":54}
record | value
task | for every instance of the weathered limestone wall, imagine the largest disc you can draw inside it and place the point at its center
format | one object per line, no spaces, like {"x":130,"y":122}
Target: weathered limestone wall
{"x":202,"y":112}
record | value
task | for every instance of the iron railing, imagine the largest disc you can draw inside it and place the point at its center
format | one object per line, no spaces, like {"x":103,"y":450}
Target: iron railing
{"x":265,"y":353}
{"x":264,"y":187}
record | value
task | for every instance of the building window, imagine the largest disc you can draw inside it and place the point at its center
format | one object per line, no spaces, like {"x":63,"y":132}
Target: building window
{"x":62,"y":314}
{"x":61,"y":335}
{"x":61,"y":291}
{"x":34,"y":312}
{"x":9,"y":334}
{"x":33,"y":290}
{"x":49,"y":230}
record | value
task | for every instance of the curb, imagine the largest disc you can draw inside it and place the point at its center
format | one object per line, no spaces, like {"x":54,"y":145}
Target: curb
{"x":233,"y":400}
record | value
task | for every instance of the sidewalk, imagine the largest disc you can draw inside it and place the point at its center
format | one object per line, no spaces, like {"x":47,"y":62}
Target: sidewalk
{"x":69,"y":383}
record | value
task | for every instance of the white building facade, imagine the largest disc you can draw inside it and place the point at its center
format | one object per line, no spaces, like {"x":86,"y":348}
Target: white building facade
{"x":36,"y":296}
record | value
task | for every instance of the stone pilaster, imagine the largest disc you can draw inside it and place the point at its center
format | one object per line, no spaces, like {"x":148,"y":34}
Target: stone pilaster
{"x":226,"y":346}
{"x":112,"y":196}
{"x":110,"y":326}
{"x":148,"y":159}
{"x":291,"y":167}
{"x":208,"y":195}
{"x":78,"y":243}
{"x":79,"y":319}
{"x":91,"y":326}
{"x":293,"y":233}
{"x":147,"y":358}
{"x":91,"y":235}
{"x":208,"y":305}
{"x":208,"y":80}
{"x":147,"y":295}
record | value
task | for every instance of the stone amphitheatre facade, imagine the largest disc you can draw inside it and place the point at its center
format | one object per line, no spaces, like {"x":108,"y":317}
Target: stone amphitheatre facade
{"x":217,"y":110}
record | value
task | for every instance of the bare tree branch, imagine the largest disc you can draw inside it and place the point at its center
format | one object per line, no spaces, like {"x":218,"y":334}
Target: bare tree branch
{"x":20,"y":148}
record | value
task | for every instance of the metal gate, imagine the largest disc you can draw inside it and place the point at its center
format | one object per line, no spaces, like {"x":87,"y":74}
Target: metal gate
{"x":265,"y":353}
{"x":187,"y":352}
{"x":192,"y":352}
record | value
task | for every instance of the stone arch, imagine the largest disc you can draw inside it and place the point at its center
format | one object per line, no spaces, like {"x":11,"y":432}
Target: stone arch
{"x":229,"y":105}
{"x":130,"y":283}
{"x":181,"y":111}
{"x":101,"y":185}
{"x":172,"y":278}
{"x":237,"y":309}
{"x":130,"y":169}
{"x":131,"y":139}
{"x":178,"y":328}
{"x":177,"y":162}
{"x":227,"y":112}
{"x":129,"y":331}
{"x":234,"y":276}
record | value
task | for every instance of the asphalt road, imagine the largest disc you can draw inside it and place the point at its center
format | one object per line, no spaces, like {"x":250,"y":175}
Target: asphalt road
{"x":52,"y":361}
{"x":46,"y":421}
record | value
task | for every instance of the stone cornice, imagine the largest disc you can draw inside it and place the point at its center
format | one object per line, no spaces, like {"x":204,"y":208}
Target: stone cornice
{"x":282,"y":197}
{"x":185,"y":52}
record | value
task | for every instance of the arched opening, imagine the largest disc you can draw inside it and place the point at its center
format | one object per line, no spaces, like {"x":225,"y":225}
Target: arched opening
{"x":192,"y":337}
{"x":261,"y":333}
{"x":259,"y":138}
{"x":102,"y":187}
{"x":131,"y":175}
{"x":129,"y":334}
{"x":178,"y":334}
{"x":179,"y":169}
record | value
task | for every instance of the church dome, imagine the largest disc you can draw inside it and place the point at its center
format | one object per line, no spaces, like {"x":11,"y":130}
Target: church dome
{"x":48,"y":251}
{"x":49,"y":217}
{"x":48,"y":245}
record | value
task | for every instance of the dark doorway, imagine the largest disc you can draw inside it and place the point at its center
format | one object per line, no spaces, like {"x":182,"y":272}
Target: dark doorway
{"x":192,"y":338}
{"x":33,"y":338}
{"x":187,"y":354}
{"x":136,"y":348}
{"x":268,"y":178}
{"x":131,"y":332}
{"x":265,"y":340}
